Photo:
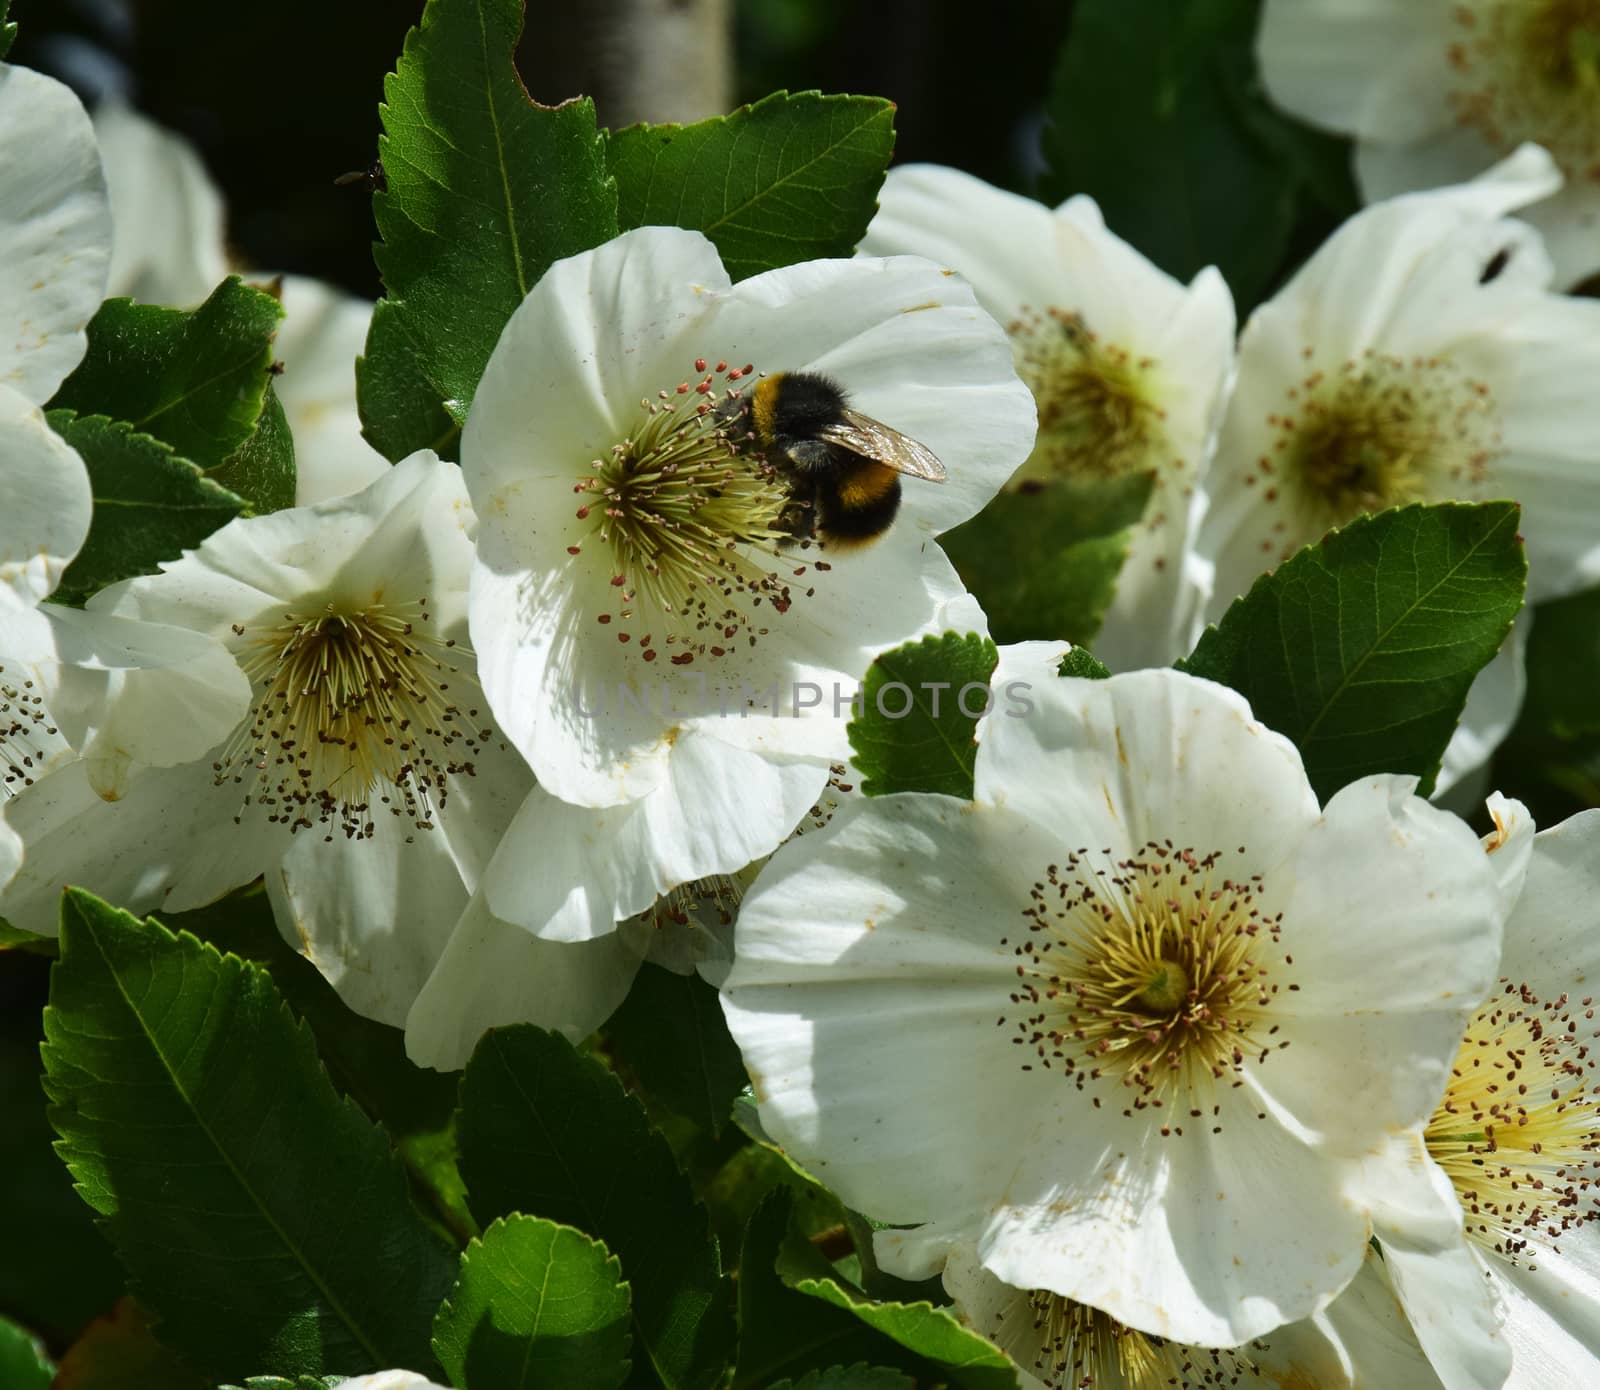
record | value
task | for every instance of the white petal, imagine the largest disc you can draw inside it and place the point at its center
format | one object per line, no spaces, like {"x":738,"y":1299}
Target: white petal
{"x":570,"y":873}
{"x":1570,"y":223}
{"x":1550,"y":940}
{"x":55,"y":232}
{"x":492,"y":974}
{"x":142,"y":692}
{"x":1365,"y":67}
{"x":373,"y":914}
{"x":48,"y":504}
{"x":159,"y":838}
{"x":323,"y":331}
{"x":1175,"y":759}
{"x":1424,"y":904}
{"x":167,"y":215}
{"x":1553,"y":1316}
{"x":390,"y":1380}
{"x":1509,"y":847}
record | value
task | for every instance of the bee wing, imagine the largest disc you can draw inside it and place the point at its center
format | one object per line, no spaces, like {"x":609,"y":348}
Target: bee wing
{"x":873,"y":439}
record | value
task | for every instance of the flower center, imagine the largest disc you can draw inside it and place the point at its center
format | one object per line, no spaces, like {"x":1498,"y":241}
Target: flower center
{"x":1378,"y":432}
{"x":1519,"y":1125}
{"x":351,"y":702}
{"x":1097,"y":415}
{"x":1158,"y":972}
{"x":1071,"y":1345}
{"x":27,"y":737}
{"x":694,"y":516}
{"x":1531,"y":71}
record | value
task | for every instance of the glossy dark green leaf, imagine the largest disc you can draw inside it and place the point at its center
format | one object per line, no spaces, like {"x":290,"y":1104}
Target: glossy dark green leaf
{"x":790,"y":178}
{"x":15,"y":939}
{"x":1361,"y":648}
{"x":538,"y":1304}
{"x":485,"y":188}
{"x":8,"y":31}
{"x":195,"y":379}
{"x":291,"y":1242}
{"x":149,"y":504}
{"x":1563,"y":665}
{"x":919,"y":707}
{"x":365,"y":1059}
{"x":1043,"y":561}
{"x":796,"y":1317}
{"x":857,"y":1377}
{"x":1146,"y":114}
{"x":549,"y":1132}
{"x":671,"y":1035}
{"x":262,"y":468}
{"x":24,"y":1365}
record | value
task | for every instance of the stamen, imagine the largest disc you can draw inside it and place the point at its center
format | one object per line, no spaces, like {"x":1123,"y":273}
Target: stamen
{"x":27,"y":735}
{"x":1158,"y":974}
{"x":1519,"y":1125}
{"x":352,"y":702}
{"x":1096,"y":403}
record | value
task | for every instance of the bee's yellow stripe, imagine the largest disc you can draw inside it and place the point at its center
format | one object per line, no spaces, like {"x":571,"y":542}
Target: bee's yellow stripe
{"x":866,"y":484}
{"x":764,"y":407}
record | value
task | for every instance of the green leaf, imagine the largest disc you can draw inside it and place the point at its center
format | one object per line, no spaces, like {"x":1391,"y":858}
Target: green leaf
{"x":262,"y":468}
{"x":398,"y":406}
{"x":485,"y":189}
{"x":15,"y":939}
{"x":149,"y":504}
{"x":537,"y":1304}
{"x":547,"y":1131}
{"x":913,"y":734}
{"x":791,"y":178}
{"x":1143,"y":114}
{"x":281,"y":1383}
{"x":1361,"y":648}
{"x":119,"y":1352}
{"x":1078,"y":662}
{"x":794,"y":1316}
{"x":56,"y":1270}
{"x":1043,"y":560}
{"x":671,"y":1035}
{"x":857,"y":1377}
{"x":290,"y":1242}
{"x":1564,"y":667}
{"x":23,"y":1362}
{"x":366,"y":1060}
{"x":8,"y":31}
{"x":195,"y":379}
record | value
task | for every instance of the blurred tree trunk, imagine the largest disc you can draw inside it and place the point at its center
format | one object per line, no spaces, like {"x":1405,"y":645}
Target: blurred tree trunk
{"x":641,"y":60}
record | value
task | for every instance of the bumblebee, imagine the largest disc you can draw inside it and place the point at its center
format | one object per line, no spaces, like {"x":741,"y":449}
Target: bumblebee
{"x":842,"y":468}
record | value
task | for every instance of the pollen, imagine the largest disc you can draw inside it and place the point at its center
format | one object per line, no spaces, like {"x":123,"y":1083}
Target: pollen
{"x":1096,"y":401}
{"x":1376,"y":432}
{"x":27,"y":735}
{"x":1519,"y":1126}
{"x":694,"y":520}
{"x":1069,"y":1345}
{"x":1530,"y":70}
{"x":353,"y":717}
{"x":1156,"y":974}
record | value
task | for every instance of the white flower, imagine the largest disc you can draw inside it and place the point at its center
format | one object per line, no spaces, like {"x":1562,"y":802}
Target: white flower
{"x":354,"y":763}
{"x":1436,"y":91}
{"x":323,"y":331}
{"x":390,"y":1380}
{"x":1396,"y":368}
{"x":1145,"y":1003}
{"x":167,"y":215}
{"x":1128,"y":366}
{"x":636,"y":548}
{"x":1361,"y":1341}
{"x":1515,"y":1141}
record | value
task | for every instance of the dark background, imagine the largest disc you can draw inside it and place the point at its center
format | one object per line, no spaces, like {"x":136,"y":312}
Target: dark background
{"x":281,"y":96}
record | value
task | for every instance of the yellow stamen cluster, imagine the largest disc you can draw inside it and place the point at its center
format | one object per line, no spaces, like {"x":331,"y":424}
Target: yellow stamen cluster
{"x":1518,"y":1129}
{"x":1157,"y":973}
{"x":25,"y":728}
{"x":1096,"y":402}
{"x":1375,"y":432}
{"x":352,"y":706}
{"x":693,"y":516}
{"x":1071,"y":1346}
{"x":1530,"y":70}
